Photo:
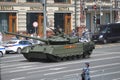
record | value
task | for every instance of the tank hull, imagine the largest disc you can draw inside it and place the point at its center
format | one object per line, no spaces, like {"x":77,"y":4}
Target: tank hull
{"x":58,"y":52}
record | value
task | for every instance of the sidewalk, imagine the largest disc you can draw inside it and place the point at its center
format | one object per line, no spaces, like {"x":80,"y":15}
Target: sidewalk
{"x":107,"y":45}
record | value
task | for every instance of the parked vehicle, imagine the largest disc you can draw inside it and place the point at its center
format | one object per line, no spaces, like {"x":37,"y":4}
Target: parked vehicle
{"x":108,"y":33}
{"x":2,"y":51}
{"x":15,"y":46}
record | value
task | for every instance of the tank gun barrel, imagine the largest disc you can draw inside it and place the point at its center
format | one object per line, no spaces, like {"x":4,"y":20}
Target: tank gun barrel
{"x":20,"y":35}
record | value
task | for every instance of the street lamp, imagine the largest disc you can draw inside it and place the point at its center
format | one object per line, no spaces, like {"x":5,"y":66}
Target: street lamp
{"x":111,"y":11}
{"x":95,"y":16}
{"x":100,"y":11}
{"x":75,"y":14}
{"x":44,"y":14}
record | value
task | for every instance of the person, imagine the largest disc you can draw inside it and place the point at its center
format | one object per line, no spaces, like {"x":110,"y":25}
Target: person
{"x":86,"y":72}
{"x":73,"y":32}
{"x":59,"y":32}
{"x":1,"y":37}
{"x":17,"y":35}
{"x":83,"y":75}
{"x":31,"y":40}
{"x":85,"y":36}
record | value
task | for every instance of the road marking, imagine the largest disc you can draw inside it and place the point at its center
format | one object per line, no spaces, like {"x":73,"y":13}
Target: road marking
{"x":18,"y":78}
{"x":7,"y":66}
{"x":104,"y":53}
{"x":57,"y":68}
{"x":58,"y":72}
{"x":42,"y":79}
{"x":116,"y":79}
{"x":105,"y":74}
{"x":24,"y":67}
{"x":15,"y":56}
{"x":61,"y":64}
{"x":78,"y":74}
{"x":37,"y":71}
{"x":107,"y":45}
{"x":51,"y":69}
{"x":12,"y":61}
{"x":103,"y":70}
{"x":98,"y":46}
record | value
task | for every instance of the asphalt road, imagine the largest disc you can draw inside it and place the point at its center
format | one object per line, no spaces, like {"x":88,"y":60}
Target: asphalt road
{"x":104,"y":65}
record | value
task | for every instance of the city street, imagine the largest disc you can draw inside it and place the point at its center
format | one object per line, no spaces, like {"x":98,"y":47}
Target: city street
{"x":104,"y":65}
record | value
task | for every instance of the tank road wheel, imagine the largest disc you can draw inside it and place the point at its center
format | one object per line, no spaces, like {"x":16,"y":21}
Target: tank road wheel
{"x":64,"y":59}
{"x":86,"y":55}
{"x":54,"y":58}
{"x":57,"y":59}
{"x":1,"y":54}
{"x":90,"y":52}
{"x":29,"y":59}
{"x":68,"y":58}
{"x":78,"y":56}
{"x":74,"y":57}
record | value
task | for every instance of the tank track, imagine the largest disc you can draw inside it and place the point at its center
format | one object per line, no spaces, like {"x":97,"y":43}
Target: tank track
{"x":68,"y":58}
{"x":53,"y":58}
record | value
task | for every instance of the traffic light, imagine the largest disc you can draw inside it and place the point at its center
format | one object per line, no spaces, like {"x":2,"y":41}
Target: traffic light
{"x":94,"y":19}
{"x":95,"y":7}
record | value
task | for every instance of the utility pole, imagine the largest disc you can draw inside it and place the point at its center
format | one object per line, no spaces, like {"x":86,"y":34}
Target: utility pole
{"x":100,"y":11}
{"x":75,"y":14}
{"x":111,"y":11}
{"x":44,"y":14}
{"x":95,"y":17}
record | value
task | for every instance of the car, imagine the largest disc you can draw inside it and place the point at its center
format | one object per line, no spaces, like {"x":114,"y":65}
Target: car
{"x":108,"y":33}
{"x":15,"y":46}
{"x":2,"y":51}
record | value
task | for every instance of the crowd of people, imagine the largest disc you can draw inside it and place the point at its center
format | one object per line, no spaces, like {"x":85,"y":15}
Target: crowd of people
{"x":86,"y":35}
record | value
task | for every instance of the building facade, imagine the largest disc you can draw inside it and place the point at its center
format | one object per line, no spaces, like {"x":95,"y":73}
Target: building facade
{"x":19,"y":15}
{"x":118,"y":9}
{"x":99,"y":12}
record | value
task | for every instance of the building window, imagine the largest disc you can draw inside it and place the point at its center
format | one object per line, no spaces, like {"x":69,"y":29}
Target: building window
{"x":105,"y":0}
{"x":97,"y":0}
{"x":62,"y":1}
{"x":7,"y":0}
{"x":34,"y":0}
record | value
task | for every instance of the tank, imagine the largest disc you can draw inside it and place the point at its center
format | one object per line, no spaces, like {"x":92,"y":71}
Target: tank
{"x":57,"y":48}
